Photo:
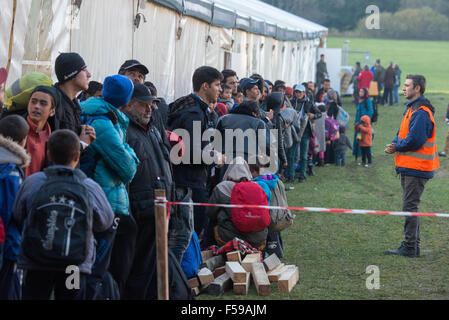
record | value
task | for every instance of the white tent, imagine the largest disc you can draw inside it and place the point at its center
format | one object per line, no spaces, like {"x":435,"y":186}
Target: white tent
{"x":173,"y":38}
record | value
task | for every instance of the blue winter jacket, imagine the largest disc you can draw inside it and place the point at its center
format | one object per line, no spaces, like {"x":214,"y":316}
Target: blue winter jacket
{"x":118,"y":162}
{"x":12,"y":159}
{"x":268,"y":182}
{"x":420,"y":129}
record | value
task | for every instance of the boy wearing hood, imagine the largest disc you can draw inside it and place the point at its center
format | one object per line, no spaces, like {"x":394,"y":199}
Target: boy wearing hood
{"x":366,"y":141}
{"x":13,"y":159}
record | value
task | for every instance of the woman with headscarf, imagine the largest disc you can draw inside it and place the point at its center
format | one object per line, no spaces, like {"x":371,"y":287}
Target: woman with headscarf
{"x":364,"y":108}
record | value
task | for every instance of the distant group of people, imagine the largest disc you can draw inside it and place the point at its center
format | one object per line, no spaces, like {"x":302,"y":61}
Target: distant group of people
{"x":388,"y":80}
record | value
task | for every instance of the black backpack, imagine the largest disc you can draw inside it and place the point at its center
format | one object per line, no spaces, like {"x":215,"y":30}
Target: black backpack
{"x":59,"y":227}
{"x":179,"y":288}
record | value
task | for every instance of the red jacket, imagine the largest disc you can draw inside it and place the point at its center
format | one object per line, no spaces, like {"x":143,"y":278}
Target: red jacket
{"x":365,"y":78}
{"x":36,"y":142}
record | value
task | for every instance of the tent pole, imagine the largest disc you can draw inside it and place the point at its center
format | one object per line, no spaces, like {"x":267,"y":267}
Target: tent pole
{"x":11,"y":35}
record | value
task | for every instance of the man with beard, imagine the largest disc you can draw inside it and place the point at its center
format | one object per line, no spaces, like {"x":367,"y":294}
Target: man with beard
{"x":153,"y":172}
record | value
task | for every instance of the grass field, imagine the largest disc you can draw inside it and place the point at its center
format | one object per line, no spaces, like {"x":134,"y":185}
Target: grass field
{"x":333,"y":250}
{"x":423,"y":57}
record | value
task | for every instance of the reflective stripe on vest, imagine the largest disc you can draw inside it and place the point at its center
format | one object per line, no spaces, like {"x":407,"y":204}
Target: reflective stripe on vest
{"x":426,"y":157}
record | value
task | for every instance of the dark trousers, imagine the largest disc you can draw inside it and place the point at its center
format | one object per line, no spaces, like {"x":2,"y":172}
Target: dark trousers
{"x":9,"y":281}
{"x":388,"y":96}
{"x":303,"y":153}
{"x":412,"y":189}
{"x":200,"y":219}
{"x":366,"y":155}
{"x":139,"y":278}
{"x":38,"y":285}
{"x":340,"y":159}
{"x":123,"y":250}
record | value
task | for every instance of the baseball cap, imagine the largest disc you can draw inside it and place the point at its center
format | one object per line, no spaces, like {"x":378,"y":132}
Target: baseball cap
{"x":247,"y":81}
{"x":143,"y":94}
{"x":133,"y":64}
{"x":299,"y":87}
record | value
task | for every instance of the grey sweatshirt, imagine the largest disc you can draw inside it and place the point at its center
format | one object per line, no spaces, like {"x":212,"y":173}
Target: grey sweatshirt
{"x":103,"y":216}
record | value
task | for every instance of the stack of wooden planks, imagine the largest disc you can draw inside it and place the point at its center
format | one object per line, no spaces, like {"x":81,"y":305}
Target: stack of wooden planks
{"x":219,"y":274}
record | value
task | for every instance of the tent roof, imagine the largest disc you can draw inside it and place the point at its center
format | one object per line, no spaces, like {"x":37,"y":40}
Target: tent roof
{"x":250,"y":15}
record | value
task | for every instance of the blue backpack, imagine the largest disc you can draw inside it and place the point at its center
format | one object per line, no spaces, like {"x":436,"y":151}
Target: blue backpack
{"x":191,"y":259}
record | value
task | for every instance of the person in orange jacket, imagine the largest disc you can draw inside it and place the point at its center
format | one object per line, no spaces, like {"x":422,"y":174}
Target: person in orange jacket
{"x":366,"y":139}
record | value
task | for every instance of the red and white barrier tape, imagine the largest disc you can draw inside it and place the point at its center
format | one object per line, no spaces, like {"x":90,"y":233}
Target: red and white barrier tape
{"x":311,"y":209}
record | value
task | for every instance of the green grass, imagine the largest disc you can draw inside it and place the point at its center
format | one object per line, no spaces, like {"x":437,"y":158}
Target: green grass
{"x":333,"y":250}
{"x":422,"y":57}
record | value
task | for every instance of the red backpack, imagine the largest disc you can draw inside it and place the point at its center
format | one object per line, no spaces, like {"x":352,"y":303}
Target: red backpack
{"x":249,"y":219}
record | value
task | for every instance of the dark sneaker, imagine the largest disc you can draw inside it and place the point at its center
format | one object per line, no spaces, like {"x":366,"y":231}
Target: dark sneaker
{"x":404,"y":251}
{"x":302,"y":179}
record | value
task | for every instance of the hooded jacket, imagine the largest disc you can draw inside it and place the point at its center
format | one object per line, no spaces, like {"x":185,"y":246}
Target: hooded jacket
{"x":268,"y":182}
{"x":366,"y":130}
{"x":221,"y":218}
{"x":420,"y":129}
{"x":13,"y":159}
{"x":118,"y":163}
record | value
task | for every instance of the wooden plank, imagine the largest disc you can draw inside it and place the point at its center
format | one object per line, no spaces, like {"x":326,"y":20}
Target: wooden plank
{"x":220,"y":285}
{"x":260,"y":279}
{"x":219,"y":271}
{"x":194,"y":283}
{"x":234,"y":256}
{"x":249,"y":260}
{"x":206,"y":276}
{"x":196,"y":291}
{"x":236,"y":272}
{"x":274,"y":275}
{"x":205,"y":255}
{"x":271,"y":262}
{"x":214,"y":263}
{"x":288,"y":279}
{"x":241,"y":289}
{"x":160,"y":212}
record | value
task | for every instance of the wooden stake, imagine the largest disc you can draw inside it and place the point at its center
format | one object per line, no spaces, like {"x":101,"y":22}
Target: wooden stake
{"x":11,"y":35}
{"x":160,"y":211}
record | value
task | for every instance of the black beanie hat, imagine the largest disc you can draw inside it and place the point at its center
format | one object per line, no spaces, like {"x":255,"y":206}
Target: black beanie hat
{"x":68,"y":65}
{"x":52,"y":91}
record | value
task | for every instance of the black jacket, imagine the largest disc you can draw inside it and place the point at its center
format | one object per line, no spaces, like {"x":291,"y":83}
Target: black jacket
{"x":309,"y":107}
{"x":182,"y":115}
{"x":68,"y":113}
{"x":154,"y":171}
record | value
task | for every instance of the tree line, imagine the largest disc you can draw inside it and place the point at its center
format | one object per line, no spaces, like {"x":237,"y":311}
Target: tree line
{"x":399,"y":19}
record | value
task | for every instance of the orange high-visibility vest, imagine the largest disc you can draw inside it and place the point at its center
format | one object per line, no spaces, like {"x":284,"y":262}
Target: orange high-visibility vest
{"x":426,"y":157}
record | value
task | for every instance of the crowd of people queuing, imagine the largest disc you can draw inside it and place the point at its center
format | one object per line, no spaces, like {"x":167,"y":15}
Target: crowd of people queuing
{"x":80,"y":162}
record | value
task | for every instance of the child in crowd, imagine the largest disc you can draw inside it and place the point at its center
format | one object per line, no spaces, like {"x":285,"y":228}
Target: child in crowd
{"x":41,"y":107}
{"x":238,"y":97}
{"x":341,"y":145}
{"x":366,"y":139}
{"x":226,"y":97}
{"x":59,"y":208}
{"x":13,"y":159}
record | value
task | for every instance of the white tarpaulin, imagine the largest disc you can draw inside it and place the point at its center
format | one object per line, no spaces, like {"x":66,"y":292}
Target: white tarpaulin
{"x":170,"y":42}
